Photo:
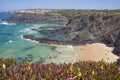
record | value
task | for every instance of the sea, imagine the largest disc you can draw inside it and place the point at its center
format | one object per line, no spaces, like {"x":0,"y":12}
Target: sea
{"x":12,"y":43}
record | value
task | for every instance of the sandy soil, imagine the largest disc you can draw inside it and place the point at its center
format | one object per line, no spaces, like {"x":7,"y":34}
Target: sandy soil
{"x":94,"y":52}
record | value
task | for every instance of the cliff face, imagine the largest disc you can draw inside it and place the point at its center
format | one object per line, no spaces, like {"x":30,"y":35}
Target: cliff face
{"x":94,"y":27}
{"x":117,"y":45}
{"x":25,"y":17}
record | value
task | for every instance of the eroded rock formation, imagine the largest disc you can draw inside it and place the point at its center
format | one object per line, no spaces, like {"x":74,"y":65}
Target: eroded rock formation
{"x":95,"y":27}
{"x":117,"y":45}
{"x":36,"y":18}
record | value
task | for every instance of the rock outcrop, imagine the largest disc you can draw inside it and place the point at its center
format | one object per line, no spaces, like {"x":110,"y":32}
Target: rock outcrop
{"x":117,"y":45}
{"x":95,"y":27}
{"x":52,"y":18}
{"x":49,"y":40}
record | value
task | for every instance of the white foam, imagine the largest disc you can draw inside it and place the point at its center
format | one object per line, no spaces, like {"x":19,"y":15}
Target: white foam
{"x":50,"y":28}
{"x":8,"y":42}
{"x":27,"y":30}
{"x":21,"y":36}
{"x":6,"y":23}
{"x":55,"y":44}
{"x":28,"y":39}
{"x":70,"y":47}
{"x":37,"y":26}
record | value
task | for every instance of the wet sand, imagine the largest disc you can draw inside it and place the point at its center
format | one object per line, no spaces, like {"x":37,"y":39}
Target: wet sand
{"x":63,"y":54}
{"x":94,"y":52}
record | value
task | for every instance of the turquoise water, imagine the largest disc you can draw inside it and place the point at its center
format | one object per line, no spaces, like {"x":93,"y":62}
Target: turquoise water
{"x":12,"y":43}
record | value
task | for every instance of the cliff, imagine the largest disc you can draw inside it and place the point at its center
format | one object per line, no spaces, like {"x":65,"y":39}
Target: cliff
{"x":37,"y":18}
{"x":117,"y":45}
{"x":95,"y":27}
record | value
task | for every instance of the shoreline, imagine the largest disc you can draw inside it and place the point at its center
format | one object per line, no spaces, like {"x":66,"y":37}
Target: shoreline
{"x":89,"y":52}
{"x":95,"y":52}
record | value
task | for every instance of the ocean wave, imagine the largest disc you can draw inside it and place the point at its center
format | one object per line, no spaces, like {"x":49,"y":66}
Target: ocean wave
{"x":50,"y":28}
{"x":8,"y":41}
{"x":27,"y":30}
{"x":28,"y":39}
{"x":35,"y":28}
{"x":6,"y":23}
{"x":37,"y":25}
{"x":43,"y":25}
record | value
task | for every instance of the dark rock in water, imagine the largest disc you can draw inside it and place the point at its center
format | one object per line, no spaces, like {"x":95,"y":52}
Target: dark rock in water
{"x":53,"y":47}
{"x":42,"y":60}
{"x":51,"y":18}
{"x":19,"y":59}
{"x":49,"y":40}
{"x":30,"y":47}
{"x":117,"y":45}
{"x":29,"y":56}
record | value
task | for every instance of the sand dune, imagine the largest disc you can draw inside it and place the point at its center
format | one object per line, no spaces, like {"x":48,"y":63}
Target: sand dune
{"x":94,"y":52}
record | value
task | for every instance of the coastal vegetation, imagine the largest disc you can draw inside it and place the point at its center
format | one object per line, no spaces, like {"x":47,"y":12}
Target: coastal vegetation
{"x":89,"y":70}
{"x":66,"y":13}
{"x":70,"y":12}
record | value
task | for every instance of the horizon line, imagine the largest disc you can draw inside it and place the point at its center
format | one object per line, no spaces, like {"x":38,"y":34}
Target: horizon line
{"x":55,"y":9}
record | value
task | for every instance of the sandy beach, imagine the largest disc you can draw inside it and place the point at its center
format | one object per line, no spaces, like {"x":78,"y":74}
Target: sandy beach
{"x":94,"y":52}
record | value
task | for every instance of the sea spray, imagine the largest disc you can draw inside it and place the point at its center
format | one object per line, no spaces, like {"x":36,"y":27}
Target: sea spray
{"x":27,"y":30}
{"x":6,"y":23}
{"x":29,"y":39}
